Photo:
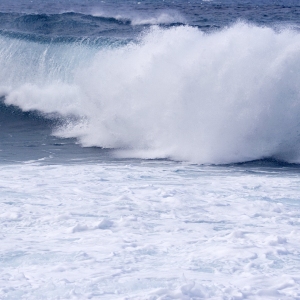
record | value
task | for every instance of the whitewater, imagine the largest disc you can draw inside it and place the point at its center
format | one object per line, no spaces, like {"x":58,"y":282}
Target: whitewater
{"x":149,"y":150}
{"x":176,"y":93}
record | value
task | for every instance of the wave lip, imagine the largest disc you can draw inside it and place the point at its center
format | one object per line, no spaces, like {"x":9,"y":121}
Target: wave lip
{"x":228,"y":96}
{"x":63,"y":25}
{"x":134,"y":18}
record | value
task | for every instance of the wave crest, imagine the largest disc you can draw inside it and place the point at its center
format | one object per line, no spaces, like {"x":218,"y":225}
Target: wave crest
{"x":136,"y":19}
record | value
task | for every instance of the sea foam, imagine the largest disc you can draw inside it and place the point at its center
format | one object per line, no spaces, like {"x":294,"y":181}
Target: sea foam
{"x":228,"y":96}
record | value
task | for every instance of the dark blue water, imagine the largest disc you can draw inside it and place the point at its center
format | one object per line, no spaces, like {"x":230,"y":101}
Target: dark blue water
{"x":27,"y":136}
{"x":43,"y":42}
{"x":75,"y":19}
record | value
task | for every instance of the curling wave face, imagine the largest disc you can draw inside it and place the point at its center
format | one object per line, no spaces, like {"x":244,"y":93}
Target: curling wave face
{"x":228,"y":96}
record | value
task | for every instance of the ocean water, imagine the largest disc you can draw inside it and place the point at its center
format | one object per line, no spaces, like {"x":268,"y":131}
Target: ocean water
{"x":149,"y":149}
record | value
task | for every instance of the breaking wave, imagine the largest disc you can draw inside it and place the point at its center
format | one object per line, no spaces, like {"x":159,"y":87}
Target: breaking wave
{"x":71,"y":26}
{"x":227,"y":96}
{"x":135,"y":19}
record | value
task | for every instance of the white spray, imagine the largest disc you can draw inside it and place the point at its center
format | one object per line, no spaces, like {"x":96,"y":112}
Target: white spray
{"x":228,"y":96}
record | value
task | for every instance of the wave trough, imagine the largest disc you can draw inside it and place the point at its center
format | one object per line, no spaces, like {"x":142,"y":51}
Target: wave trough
{"x":228,"y":96}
